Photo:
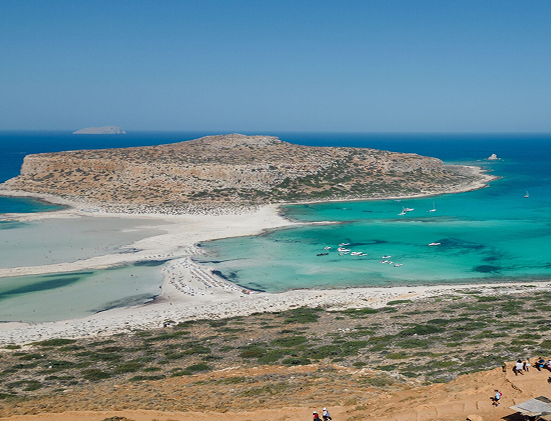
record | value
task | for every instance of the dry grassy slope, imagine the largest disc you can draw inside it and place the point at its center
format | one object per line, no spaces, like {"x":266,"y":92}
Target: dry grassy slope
{"x":230,"y":168}
{"x":467,"y":395}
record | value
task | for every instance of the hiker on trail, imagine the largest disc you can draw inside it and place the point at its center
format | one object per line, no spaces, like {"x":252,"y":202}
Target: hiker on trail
{"x":539,"y":363}
{"x":518,"y":368}
{"x":325,"y":414}
{"x":497,"y":397}
{"x":316,"y":416}
{"x":526,"y":365}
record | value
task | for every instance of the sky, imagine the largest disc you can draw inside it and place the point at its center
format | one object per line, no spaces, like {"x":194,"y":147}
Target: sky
{"x":229,"y":66}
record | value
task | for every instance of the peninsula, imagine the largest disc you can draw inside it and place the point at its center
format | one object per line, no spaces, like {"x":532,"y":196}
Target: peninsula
{"x":230,"y":170}
{"x":101,"y":130}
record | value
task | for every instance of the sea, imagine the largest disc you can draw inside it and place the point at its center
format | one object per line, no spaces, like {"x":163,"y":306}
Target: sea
{"x":491,"y":235}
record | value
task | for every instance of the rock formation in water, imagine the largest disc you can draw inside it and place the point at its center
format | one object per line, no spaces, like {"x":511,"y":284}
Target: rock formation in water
{"x":101,"y":130}
{"x":232,"y":169}
{"x":492,"y":157}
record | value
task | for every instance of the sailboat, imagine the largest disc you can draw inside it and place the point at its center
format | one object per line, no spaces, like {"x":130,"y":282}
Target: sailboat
{"x":433,"y":208}
{"x":526,"y":195}
{"x":403,"y":211}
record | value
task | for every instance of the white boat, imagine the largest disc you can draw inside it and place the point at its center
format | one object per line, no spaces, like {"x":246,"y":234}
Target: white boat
{"x":327,"y":248}
{"x":343,"y":249}
{"x":390,"y":262}
{"x":342,"y":253}
{"x":383,"y":261}
{"x":434,"y":244}
{"x":433,"y":208}
{"x":526,"y":195}
{"x":386,"y":257}
{"x":344,"y":244}
{"x":397,"y":265}
{"x":356,"y":253}
{"x":363,"y":254}
{"x":408,"y":209}
{"x":402,"y":213}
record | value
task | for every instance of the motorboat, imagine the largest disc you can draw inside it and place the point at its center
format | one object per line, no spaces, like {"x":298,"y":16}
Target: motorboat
{"x":344,"y":244}
{"x":386,"y":257}
{"x":327,"y":248}
{"x":434,"y":244}
{"x":356,"y":253}
{"x":397,"y":265}
{"x":322,"y":254}
{"x":343,"y":249}
{"x":342,"y":253}
{"x":408,"y":209}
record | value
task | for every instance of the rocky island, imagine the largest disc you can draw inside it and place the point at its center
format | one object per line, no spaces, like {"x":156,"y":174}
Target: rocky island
{"x":235,"y":169}
{"x":101,"y":130}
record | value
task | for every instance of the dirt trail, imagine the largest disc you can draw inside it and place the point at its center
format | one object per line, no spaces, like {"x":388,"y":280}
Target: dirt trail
{"x":467,"y":395}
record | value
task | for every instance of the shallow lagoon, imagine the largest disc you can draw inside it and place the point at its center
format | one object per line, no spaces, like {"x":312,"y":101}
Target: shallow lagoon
{"x":492,"y":234}
{"x":53,"y":297}
{"x":60,"y":240}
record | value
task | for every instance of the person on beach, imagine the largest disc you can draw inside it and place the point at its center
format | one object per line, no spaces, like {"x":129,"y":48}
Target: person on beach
{"x":497,"y":397}
{"x":526,"y":365}
{"x":316,"y":416}
{"x":518,"y":368}
{"x":539,"y":363}
{"x":325,"y":414}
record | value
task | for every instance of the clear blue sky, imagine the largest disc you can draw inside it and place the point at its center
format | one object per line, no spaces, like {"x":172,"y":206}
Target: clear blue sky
{"x":222,"y":65}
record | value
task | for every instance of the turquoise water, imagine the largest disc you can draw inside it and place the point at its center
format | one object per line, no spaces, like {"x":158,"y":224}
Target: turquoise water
{"x":52,"y":297}
{"x":489,"y":235}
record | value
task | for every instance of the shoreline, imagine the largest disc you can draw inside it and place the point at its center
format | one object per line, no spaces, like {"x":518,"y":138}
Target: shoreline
{"x":191,"y":291}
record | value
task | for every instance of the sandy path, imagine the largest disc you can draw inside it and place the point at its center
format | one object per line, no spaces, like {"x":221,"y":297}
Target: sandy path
{"x":467,"y":395}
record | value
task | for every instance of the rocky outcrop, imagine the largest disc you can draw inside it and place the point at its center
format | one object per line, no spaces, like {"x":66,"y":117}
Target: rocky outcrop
{"x":493,"y":157}
{"x":234,"y":169}
{"x":101,"y":130}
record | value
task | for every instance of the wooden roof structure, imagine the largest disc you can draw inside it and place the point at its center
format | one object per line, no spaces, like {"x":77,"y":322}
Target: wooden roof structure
{"x":537,"y":407}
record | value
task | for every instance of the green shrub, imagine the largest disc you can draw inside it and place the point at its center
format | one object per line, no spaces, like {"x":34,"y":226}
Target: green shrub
{"x":296,"y":361}
{"x":94,"y":374}
{"x":56,"y":342}
{"x":421,"y":330}
{"x":198,"y":367}
{"x":289,"y":341}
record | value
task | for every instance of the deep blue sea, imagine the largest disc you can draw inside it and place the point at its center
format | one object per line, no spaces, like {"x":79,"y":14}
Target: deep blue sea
{"x":492,"y":234}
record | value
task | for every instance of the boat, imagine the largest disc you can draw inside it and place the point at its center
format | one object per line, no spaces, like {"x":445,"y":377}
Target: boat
{"x":397,"y":265}
{"x":390,"y":262}
{"x":433,"y":208}
{"x":322,"y":254}
{"x":363,"y":254}
{"x":408,"y":209}
{"x":434,"y":244}
{"x":526,"y":195}
{"x":343,"y":249}
{"x":386,"y":257}
{"x":402,"y":213}
{"x":383,"y":261}
{"x":342,"y":253}
{"x":344,"y":244}
{"x":327,"y":248}
{"x":356,"y":253}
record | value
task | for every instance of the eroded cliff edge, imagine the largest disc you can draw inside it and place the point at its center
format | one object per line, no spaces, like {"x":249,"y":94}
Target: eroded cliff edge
{"x":234,"y":169}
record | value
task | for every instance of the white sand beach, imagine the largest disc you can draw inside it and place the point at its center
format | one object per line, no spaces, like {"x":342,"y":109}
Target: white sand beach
{"x":189,"y":290}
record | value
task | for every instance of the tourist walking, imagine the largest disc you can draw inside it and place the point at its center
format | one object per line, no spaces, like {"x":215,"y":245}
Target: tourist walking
{"x":497,"y":398}
{"x":325,"y":414}
{"x":316,"y":416}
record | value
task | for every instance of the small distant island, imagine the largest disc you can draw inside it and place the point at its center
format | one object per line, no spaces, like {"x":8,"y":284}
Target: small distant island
{"x":493,"y":157}
{"x":101,"y":130}
{"x":237,"y":170}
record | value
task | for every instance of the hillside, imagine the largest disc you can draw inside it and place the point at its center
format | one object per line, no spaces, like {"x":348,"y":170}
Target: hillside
{"x":233,"y":169}
{"x":383,"y":363}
